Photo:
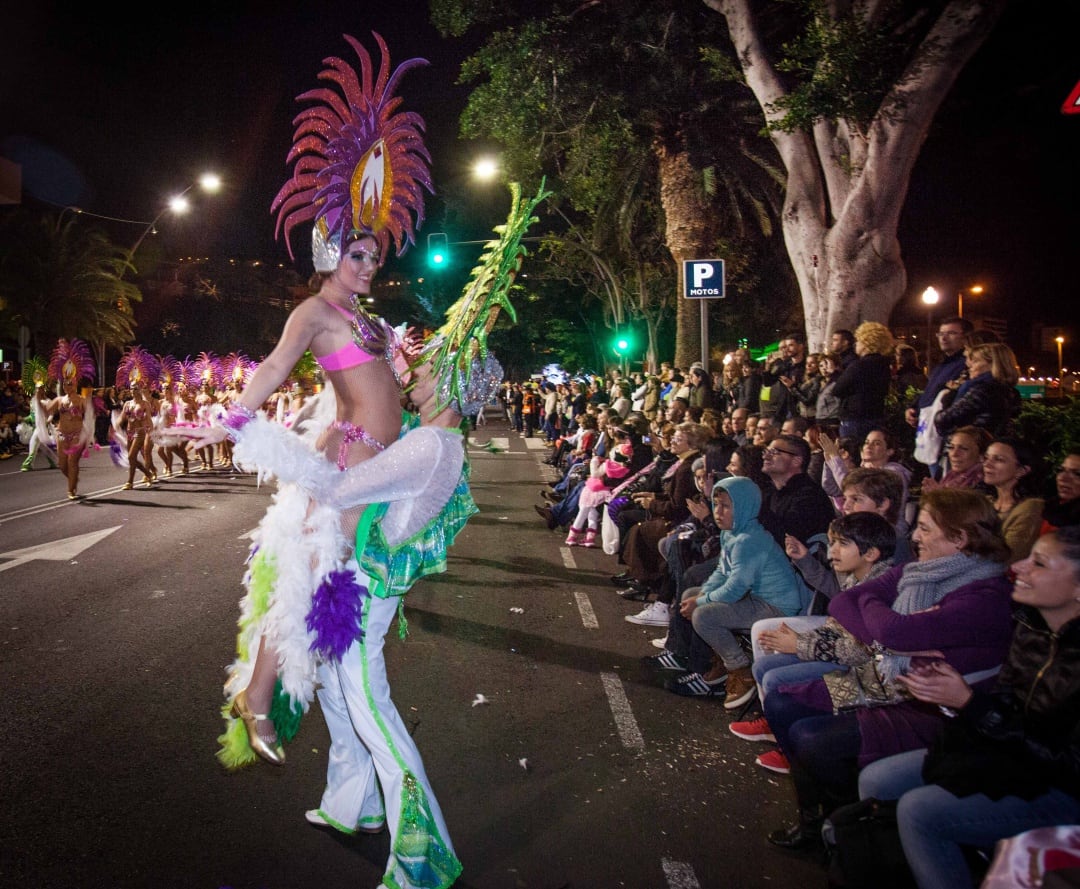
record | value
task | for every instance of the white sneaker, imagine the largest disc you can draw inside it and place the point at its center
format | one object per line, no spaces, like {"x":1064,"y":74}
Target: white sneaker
{"x":655,"y":614}
{"x":660,"y":643}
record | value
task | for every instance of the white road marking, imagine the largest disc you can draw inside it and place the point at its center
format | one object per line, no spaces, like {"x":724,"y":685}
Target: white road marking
{"x":625,"y":723}
{"x":503,"y":444}
{"x":567,"y":558}
{"x":588,"y":616}
{"x":680,"y":875}
{"x":534,"y":444}
{"x":57,"y":550}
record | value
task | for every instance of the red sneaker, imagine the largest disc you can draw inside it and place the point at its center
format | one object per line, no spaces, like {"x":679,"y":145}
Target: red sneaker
{"x":774,"y":761}
{"x":754,"y":730}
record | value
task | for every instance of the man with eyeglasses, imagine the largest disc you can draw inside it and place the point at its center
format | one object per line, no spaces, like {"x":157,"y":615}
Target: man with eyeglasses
{"x":952,"y":338}
{"x":797,"y":505}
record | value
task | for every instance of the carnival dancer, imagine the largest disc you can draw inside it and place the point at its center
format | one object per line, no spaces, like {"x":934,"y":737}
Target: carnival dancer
{"x":171,"y":412}
{"x":207,"y":369}
{"x":33,"y":431}
{"x":136,"y":371}
{"x":70,"y":363}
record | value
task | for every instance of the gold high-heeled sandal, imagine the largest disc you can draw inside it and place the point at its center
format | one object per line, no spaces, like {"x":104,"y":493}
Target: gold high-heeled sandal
{"x":271,"y":752}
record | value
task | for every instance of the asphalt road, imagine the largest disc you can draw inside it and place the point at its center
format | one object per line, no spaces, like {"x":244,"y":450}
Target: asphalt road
{"x":580,"y":771}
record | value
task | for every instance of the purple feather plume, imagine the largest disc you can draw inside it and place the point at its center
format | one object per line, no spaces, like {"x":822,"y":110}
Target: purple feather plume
{"x":335,"y":614}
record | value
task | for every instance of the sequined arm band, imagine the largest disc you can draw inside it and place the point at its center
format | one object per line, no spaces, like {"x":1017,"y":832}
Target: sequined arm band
{"x":234,"y":418}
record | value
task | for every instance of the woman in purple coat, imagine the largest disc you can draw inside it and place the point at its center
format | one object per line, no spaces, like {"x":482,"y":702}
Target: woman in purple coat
{"x":952,"y":603}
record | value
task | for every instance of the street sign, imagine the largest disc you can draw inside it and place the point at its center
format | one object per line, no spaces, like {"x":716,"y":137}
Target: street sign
{"x":1072,"y":104}
{"x":703,"y":278}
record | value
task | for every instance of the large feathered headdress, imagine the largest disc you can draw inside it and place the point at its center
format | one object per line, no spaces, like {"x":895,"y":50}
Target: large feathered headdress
{"x":35,"y":373}
{"x":71,"y":361}
{"x":359,"y":166}
{"x":207,"y":370}
{"x":237,"y":368}
{"x":171,"y":372}
{"x":138,"y":369}
{"x":466,"y":373}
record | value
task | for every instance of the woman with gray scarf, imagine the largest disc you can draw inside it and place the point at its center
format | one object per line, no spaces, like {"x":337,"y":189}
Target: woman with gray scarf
{"x":952,"y":604}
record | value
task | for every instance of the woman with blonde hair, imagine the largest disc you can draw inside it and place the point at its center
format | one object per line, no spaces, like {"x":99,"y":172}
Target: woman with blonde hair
{"x":988,"y":398}
{"x":864,"y":385}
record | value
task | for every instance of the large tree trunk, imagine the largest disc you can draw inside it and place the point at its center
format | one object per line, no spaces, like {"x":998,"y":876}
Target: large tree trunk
{"x":846,"y":189}
{"x":690,"y":234}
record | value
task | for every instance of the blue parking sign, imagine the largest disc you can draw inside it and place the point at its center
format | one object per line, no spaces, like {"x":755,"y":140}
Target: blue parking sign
{"x":703,"y":278}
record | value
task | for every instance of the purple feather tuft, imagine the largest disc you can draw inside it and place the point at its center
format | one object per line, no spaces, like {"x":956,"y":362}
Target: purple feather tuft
{"x":335,"y":614}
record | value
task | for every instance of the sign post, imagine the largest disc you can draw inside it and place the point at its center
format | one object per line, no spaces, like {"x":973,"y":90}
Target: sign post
{"x":703,"y":279}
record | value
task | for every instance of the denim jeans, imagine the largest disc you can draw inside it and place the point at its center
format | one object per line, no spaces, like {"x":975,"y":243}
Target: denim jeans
{"x":934,"y":823}
{"x":715,"y":621}
{"x":773,"y":670}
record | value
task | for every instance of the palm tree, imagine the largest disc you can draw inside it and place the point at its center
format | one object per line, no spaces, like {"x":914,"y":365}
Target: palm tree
{"x":62,"y":279}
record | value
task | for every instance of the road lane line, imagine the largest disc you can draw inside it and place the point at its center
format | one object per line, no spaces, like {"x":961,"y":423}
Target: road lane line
{"x":679,"y":874}
{"x":567,"y":558}
{"x":588,"y":616}
{"x":535,"y":444}
{"x":629,"y":733}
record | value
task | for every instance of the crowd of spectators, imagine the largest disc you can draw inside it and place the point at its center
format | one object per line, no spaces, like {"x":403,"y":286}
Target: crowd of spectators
{"x":771,"y":520}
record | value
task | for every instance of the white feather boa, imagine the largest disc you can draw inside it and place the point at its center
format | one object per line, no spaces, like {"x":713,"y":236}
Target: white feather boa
{"x":304,"y":541}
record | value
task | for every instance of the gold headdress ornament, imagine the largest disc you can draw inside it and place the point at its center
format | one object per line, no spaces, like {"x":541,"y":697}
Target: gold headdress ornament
{"x":466,"y":373}
{"x":71,"y":361}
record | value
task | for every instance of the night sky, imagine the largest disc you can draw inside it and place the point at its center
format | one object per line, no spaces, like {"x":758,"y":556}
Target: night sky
{"x":113,"y":113}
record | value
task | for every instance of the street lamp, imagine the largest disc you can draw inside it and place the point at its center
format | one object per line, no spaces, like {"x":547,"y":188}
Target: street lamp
{"x":974,"y":291}
{"x":930,"y":299}
{"x":208,"y":182}
{"x":1060,"y":340}
{"x":485,"y":169}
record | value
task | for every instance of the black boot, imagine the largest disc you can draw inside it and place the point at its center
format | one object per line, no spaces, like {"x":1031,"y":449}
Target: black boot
{"x":806,"y":834}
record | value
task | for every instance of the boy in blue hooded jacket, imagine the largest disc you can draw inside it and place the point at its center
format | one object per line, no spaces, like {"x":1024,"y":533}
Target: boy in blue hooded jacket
{"x":753,"y":580}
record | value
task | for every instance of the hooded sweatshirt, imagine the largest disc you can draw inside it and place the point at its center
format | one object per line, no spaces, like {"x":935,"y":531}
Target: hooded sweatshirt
{"x":751,"y":561}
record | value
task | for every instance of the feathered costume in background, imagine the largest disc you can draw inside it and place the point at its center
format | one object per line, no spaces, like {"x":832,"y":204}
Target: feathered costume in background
{"x":36,"y":426}
{"x":71,"y":361}
{"x":137,"y":368}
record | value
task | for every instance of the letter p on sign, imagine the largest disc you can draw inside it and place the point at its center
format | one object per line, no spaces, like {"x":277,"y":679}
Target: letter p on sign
{"x":703,"y":278}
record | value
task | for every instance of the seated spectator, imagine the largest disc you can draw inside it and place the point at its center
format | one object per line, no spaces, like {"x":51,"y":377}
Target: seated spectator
{"x":795,"y":505}
{"x":746,"y":462}
{"x":795,"y":649}
{"x":988,"y":398}
{"x":663,"y":510}
{"x":880,"y":491}
{"x":953,"y":602}
{"x":1063,"y":506}
{"x":753,"y":580}
{"x":684,"y":546}
{"x":1010,"y":760}
{"x":965,"y":451}
{"x":847,"y":455}
{"x":878,"y":452}
{"x":1012,"y":469}
{"x":604,"y":475}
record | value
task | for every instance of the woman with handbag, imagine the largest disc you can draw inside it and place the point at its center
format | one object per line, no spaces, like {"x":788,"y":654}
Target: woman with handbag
{"x":953,"y":603}
{"x":1009,"y":760}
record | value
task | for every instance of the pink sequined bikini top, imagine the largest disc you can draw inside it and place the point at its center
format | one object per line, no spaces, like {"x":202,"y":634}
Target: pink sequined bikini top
{"x":350,"y":355}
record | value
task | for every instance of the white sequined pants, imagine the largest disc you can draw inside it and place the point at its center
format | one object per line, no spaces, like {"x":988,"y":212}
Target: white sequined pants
{"x":370,"y":748}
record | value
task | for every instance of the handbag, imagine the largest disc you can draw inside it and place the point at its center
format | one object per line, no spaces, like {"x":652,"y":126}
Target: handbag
{"x":858,"y":687}
{"x":863,"y":847}
{"x":927,"y":437}
{"x":609,"y":534}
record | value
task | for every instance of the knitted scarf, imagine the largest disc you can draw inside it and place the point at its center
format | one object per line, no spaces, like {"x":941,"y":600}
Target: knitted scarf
{"x":925,"y":584}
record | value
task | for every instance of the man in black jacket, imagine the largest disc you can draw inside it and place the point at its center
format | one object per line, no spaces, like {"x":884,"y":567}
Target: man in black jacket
{"x":796,"y":505}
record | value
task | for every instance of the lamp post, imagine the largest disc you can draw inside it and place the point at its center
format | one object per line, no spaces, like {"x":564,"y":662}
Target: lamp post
{"x":930,"y":299}
{"x":208,"y":182}
{"x":1060,"y":340}
{"x":974,"y":291}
